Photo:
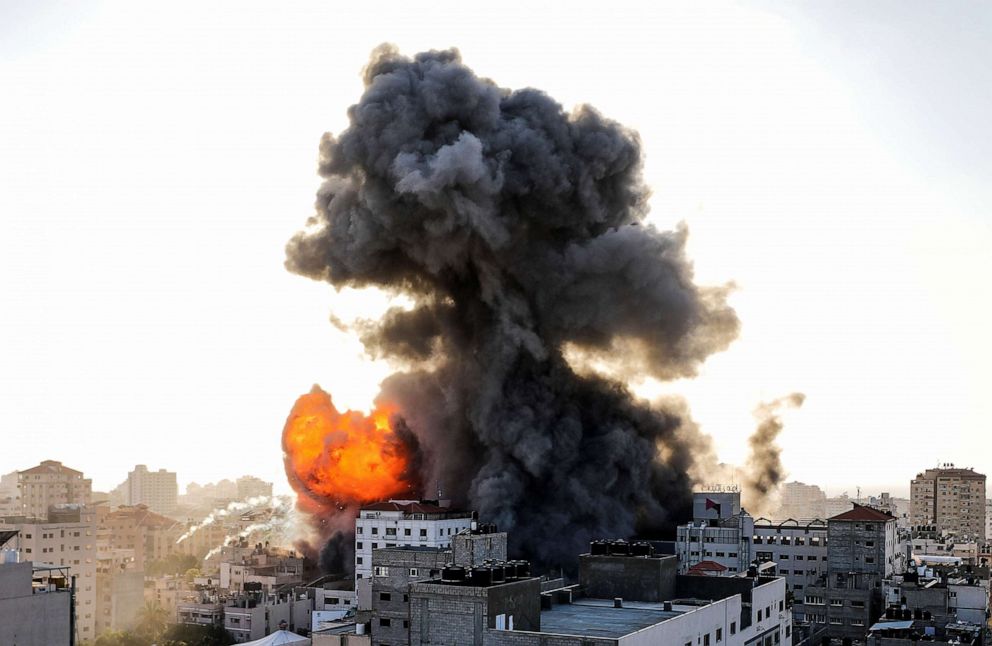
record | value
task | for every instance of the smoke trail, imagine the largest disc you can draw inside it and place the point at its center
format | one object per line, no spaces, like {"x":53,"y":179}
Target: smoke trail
{"x":518,"y":231}
{"x":218,"y":514}
{"x":280,"y":529}
{"x":764,"y":464}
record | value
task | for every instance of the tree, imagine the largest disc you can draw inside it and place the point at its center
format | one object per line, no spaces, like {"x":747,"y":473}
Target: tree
{"x":152,"y":621}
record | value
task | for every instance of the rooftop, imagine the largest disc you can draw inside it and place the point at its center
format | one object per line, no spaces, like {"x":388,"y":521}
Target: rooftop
{"x":410,"y":508}
{"x":598,"y":618}
{"x":862,"y":512}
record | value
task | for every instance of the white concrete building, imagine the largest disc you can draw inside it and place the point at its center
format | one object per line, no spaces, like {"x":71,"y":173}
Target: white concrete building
{"x":396,"y":523}
{"x":799,"y":549}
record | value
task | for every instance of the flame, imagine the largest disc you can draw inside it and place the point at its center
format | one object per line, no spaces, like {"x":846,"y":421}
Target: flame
{"x":336,"y":459}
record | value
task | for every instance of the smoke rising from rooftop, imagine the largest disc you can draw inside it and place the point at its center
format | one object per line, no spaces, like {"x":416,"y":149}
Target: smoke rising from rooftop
{"x":518,"y":231}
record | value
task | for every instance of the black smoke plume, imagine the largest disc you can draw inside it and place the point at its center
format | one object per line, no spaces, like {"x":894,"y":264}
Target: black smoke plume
{"x":338,"y":554}
{"x":764,"y":464}
{"x":518,"y":231}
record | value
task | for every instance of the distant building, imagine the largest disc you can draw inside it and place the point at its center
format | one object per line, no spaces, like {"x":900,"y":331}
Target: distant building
{"x":35,"y":602}
{"x":10,"y":495}
{"x":120,"y":590}
{"x":244,"y":568}
{"x":401,"y":522}
{"x":939,"y":603}
{"x":50,"y":483}
{"x":156,"y":490}
{"x":988,"y":520}
{"x":952,"y":499}
{"x":152,"y":536}
{"x":252,"y":487}
{"x":799,"y":501}
{"x":65,"y":539}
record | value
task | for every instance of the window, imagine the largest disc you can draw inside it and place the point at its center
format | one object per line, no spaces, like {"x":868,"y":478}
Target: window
{"x":358,"y":545}
{"x":706,"y":639}
{"x":406,"y":531}
{"x":733,"y":627}
{"x":719,"y":635}
{"x":385,"y":596}
{"x":414,"y":572}
{"x":358,"y":560}
{"x":360,"y":529}
{"x":390,"y":531}
{"x":423,"y":533}
{"x":380,"y":571}
{"x":383,"y":621}
{"x":869,"y":543}
{"x":375,"y":530}
{"x":406,"y":623}
{"x":333,"y":601}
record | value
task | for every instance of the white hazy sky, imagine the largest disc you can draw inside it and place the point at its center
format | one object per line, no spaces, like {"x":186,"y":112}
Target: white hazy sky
{"x":833,"y":159}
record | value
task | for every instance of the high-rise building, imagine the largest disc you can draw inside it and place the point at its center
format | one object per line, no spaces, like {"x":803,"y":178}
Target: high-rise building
{"x":157,"y":490}
{"x":799,"y":500}
{"x":952,"y":499}
{"x":152,"y":536}
{"x":50,"y":483}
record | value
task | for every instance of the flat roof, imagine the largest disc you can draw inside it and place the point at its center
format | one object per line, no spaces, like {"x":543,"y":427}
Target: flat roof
{"x":598,"y":618}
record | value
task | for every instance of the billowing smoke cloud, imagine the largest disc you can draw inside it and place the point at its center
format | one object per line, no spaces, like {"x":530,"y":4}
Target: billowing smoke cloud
{"x":764,"y":470}
{"x":517,"y":229}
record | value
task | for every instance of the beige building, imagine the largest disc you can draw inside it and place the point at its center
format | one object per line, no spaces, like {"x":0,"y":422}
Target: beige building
{"x":120,"y":590}
{"x":952,"y":499}
{"x":151,"y":536}
{"x":252,"y":487}
{"x":50,"y":483}
{"x":64,"y":544}
{"x":157,"y":490}
{"x":799,"y":500}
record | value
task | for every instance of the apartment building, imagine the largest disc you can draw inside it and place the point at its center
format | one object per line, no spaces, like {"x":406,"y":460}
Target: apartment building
{"x":51,"y":483}
{"x":156,"y":490}
{"x":35,"y":602}
{"x":151,"y":536}
{"x":951,"y":498}
{"x":863,"y":549}
{"x":399,"y":523}
{"x":69,"y":542}
{"x":252,"y":487}
{"x":798,"y":500}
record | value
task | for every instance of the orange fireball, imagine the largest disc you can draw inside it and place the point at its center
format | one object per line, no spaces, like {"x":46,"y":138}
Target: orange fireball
{"x":339,"y":458}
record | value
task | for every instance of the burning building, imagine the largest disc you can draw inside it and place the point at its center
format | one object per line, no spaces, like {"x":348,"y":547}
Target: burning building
{"x":517,"y":231}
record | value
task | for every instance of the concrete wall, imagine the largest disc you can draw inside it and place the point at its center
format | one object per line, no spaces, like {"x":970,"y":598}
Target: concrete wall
{"x":473,"y":549}
{"x":630,"y":577}
{"x":453,"y":614}
{"x":28,"y":619}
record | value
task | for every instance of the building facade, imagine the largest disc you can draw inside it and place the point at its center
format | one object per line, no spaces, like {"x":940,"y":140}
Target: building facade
{"x":156,"y":490}
{"x":863,"y":550}
{"x":67,"y":543}
{"x":401,"y":523}
{"x":49,"y":484}
{"x":953,"y":499}
{"x":35,"y":605}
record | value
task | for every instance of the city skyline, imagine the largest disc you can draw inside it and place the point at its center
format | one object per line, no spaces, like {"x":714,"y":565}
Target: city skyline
{"x":822,"y":158}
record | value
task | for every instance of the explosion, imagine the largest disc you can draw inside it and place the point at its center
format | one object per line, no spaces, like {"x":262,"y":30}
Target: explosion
{"x":335,"y":460}
{"x":517,"y":230}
